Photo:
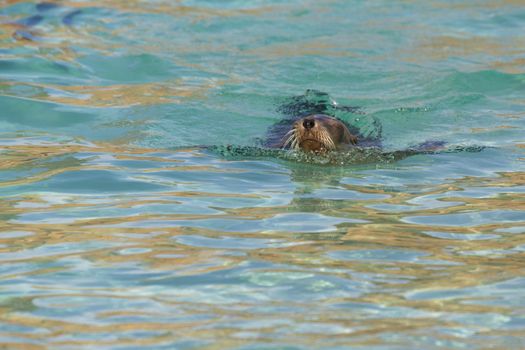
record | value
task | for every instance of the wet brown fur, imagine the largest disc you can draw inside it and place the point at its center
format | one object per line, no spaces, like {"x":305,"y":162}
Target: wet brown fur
{"x":324,"y":134}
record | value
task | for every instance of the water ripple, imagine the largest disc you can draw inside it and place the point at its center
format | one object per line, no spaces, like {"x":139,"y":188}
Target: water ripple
{"x":117,"y":230}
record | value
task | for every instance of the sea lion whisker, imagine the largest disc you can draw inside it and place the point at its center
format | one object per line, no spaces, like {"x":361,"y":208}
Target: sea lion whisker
{"x":291,"y":137}
{"x":322,"y":138}
{"x":295,"y":143}
{"x":291,"y":131}
{"x":288,"y":140}
{"x":328,"y":141}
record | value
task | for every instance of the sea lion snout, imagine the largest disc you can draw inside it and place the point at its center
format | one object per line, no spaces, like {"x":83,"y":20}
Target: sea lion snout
{"x":318,"y":133}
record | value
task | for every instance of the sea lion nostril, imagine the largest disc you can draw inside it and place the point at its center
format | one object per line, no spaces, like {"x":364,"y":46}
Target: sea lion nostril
{"x":308,"y":123}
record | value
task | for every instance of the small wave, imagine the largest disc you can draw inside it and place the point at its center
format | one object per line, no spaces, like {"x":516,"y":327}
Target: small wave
{"x":353,"y":156}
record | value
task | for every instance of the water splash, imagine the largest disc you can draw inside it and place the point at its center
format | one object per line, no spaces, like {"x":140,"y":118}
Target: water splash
{"x":353,"y":156}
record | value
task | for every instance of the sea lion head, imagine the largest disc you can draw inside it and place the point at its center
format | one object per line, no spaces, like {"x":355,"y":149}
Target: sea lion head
{"x":318,"y":133}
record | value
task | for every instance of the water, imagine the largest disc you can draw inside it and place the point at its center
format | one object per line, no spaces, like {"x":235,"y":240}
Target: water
{"x":117,"y":232}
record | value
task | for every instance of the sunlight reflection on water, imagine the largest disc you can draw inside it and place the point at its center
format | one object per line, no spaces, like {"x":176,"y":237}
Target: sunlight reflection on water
{"x":118,"y":231}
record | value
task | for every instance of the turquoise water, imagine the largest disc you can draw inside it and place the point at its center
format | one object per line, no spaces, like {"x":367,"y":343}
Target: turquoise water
{"x":118,"y":232}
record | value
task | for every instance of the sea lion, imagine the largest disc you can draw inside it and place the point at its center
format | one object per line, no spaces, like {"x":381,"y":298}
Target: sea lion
{"x":317,"y":130}
{"x":316,"y":124}
{"x":318,"y":133}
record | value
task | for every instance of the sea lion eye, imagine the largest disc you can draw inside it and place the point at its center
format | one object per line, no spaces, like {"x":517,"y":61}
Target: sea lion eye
{"x":308,"y":123}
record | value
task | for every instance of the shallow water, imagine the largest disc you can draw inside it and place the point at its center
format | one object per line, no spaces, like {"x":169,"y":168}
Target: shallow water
{"x":117,"y":232}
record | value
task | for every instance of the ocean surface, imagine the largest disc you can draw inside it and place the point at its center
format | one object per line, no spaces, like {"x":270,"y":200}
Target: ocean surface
{"x":119,"y":230}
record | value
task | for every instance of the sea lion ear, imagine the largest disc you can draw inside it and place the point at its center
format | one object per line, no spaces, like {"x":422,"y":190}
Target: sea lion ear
{"x":348,"y":137}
